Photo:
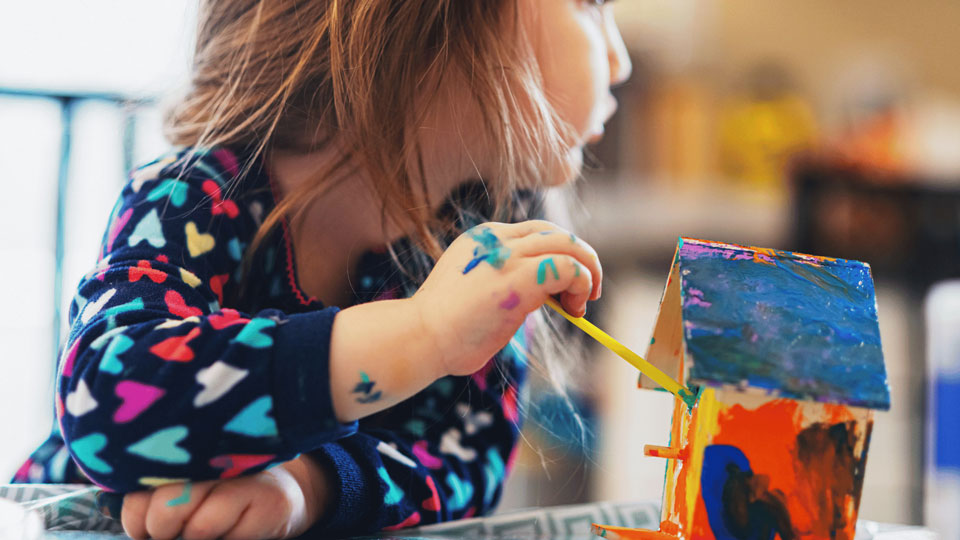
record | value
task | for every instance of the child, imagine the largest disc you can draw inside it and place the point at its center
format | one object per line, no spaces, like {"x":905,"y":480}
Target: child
{"x":226,"y":366}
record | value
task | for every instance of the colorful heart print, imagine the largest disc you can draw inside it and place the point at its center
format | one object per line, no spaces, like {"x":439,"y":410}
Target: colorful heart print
{"x":178,"y":306}
{"x":110,"y":362}
{"x":237,"y":464}
{"x":425,"y":457}
{"x":252,"y":334}
{"x":136,"y":397}
{"x":431,"y":503}
{"x":176,"y":349}
{"x":69,"y":357}
{"x":216,"y":381}
{"x":80,"y":401}
{"x":220,"y":205}
{"x":157,"y":481}
{"x":190,"y":278}
{"x":216,"y":285}
{"x":235,"y":249}
{"x":118,"y":224}
{"x":143,"y":268}
{"x":254,"y":420}
{"x":410,"y":521}
{"x":92,"y":307}
{"x":173,"y":189}
{"x":133,"y":305}
{"x":161,"y":446}
{"x":198,"y":243}
{"x":226,"y":317}
{"x":394,"y":494}
{"x":461,"y":494}
{"x":391,"y":451}
{"x":149,"y":230}
{"x":450,"y":444}
{"x":86,"y":449}
{"x":494,"y":471}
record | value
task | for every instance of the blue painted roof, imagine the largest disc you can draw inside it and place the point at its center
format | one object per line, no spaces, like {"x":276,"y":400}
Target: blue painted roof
{"x":795,"y":325}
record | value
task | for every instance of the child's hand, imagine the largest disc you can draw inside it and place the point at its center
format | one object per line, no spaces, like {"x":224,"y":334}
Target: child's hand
{"x":491,"y":277}
{"x":277,"y":503}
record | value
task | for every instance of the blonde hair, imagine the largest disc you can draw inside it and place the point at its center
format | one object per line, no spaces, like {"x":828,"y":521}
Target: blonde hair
{"x":295,"y":75}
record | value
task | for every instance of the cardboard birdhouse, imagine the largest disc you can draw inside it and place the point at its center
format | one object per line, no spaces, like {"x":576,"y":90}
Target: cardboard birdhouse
{"x":784,"y":352}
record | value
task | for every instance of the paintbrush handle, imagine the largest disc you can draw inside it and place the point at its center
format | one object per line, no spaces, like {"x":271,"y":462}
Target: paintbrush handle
{"x":648,"y":369}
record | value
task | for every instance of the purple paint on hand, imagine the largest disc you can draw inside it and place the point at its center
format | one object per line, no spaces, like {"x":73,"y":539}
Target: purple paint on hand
{"x":511,"y":302}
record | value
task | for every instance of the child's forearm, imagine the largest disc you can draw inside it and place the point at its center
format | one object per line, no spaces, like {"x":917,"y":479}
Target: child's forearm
{"x":380,"y":355}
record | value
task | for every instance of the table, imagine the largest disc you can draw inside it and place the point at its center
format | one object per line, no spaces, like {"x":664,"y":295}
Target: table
{"x":69,"y":513}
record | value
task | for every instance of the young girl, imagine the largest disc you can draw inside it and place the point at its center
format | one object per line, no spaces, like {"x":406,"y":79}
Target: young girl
{"x":227,"y":367}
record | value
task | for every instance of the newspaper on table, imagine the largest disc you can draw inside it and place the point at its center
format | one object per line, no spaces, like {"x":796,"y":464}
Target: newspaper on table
{"x":62,"y":506}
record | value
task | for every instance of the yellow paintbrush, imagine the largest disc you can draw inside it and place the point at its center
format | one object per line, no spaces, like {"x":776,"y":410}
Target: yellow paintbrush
{"x":648,"y":369}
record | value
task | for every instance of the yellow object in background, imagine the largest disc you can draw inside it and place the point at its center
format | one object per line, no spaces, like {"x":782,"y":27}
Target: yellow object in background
{"x":759,"y":137}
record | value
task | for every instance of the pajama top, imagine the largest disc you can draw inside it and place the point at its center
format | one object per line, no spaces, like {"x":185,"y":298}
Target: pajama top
{"x":184,"y":363}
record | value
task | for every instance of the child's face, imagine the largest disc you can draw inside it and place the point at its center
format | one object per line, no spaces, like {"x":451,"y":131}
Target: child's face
{"x":581,"y":55}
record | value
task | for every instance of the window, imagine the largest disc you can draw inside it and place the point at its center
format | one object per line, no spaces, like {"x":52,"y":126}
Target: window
{"x":95,"y":68}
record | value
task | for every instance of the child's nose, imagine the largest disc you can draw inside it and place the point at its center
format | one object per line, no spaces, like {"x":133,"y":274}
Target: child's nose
{"x":620,"y":65}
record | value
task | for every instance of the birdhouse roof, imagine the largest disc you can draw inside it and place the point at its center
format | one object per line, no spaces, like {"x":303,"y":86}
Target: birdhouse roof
{"x":788,"y":324}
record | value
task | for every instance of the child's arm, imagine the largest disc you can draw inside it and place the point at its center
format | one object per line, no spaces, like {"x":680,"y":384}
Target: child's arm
{"x":449,"y":446}
{"x":443,"y":455}
{"x":477,"y":295}
{"x":157,"y":381}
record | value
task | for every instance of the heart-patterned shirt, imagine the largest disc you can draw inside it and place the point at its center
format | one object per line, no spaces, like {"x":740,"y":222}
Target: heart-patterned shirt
{"x":189,"y":358}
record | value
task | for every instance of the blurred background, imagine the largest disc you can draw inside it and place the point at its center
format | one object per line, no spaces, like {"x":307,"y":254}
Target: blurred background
{"x":806,"y":125}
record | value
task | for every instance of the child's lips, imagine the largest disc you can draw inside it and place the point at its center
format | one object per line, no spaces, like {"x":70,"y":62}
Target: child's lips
{"x":596,"y":137}
{"x":597,"y":134}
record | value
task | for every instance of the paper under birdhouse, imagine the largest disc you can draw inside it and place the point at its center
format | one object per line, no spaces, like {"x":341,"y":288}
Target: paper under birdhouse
{"x":784,"y":350}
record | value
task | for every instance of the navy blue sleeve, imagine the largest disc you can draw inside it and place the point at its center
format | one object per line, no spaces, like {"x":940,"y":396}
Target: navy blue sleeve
{"x":158,"y":381}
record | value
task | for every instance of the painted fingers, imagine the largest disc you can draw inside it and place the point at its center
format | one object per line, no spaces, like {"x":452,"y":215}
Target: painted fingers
{"x":550,"y":259}
{"x":265,"y":505}
{"x":563,"y":275}
{"x":556,"y":241}
{"x":162,"y":512}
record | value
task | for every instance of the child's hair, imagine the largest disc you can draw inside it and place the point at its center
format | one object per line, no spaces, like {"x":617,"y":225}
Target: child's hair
{"x":297,"y":75}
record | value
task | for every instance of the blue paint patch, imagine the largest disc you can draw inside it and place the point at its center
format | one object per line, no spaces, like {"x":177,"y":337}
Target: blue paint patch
{"x":717,"y":461}
{"x":489,"y":250}
{"x":803,"y":327}
{"x":184,"y":497}
{"x":542,"y":270}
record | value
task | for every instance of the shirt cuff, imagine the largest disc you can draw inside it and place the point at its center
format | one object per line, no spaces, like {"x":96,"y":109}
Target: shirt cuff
{"x":303,"y":402}
{"x":348,"y":509}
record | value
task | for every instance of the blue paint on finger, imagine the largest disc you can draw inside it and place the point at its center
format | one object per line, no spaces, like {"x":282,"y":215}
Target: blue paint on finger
{"x":184,"y":497}
{"x":542,"y":270}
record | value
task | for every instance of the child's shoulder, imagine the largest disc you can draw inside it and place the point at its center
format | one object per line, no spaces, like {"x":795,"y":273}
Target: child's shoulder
{"x":212,"y":171}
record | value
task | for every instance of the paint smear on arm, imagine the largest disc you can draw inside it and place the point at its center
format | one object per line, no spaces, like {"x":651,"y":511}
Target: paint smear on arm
{"x":365,"y":389}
